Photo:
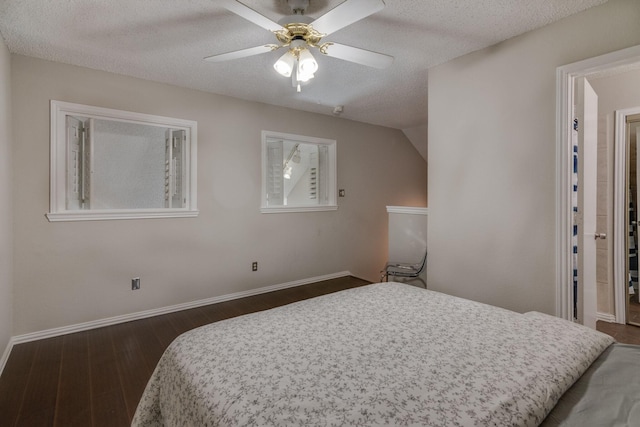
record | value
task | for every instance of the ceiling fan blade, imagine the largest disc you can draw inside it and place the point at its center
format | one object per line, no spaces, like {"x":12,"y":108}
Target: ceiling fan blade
{"x":357,"y":55}
{"x":251,"y":15}
{"x":346,"y":14}
{"x":243,"y":53}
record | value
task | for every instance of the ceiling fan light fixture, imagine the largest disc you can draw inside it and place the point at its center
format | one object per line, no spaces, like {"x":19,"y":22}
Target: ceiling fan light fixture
{"x":307,"y":64}
{"x":298,"y":33}
{"x":284,"y":65}
{"x":303,"y":78}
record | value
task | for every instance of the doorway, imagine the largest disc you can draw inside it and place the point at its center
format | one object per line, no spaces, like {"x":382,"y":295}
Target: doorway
{"x":566,"y":294}
{"x":626,"y":170}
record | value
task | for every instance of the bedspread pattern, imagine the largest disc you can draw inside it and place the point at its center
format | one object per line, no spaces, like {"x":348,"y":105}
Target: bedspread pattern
{"x":383,"y":354}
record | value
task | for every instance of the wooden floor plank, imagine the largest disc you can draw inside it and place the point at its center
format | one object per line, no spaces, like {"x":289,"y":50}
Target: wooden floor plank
{"x":95,"y":378}
{"x":131,"y":364}
{"x":184,"y":321}
{"x":163,"y":330}
{"x":152,"y":347}
{"x":220,"y":311}
{"x":622,"y":333}
{"x":198,"y":316}
{"x":108,"y":407}
{"x":13,"y":383}
{"x":73,"y":407}
{"x":38,"y":408}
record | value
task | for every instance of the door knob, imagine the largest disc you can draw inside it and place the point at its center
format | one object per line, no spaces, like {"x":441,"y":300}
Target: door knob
{"x":600,"y":236}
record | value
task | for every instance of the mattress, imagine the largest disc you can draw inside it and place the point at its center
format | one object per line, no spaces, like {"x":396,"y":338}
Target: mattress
{"x":607,"y":394}
{"x":383,"y":354}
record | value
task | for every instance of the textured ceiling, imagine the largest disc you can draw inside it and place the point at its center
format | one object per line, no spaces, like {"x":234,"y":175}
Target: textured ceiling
{"x":165,"y":41}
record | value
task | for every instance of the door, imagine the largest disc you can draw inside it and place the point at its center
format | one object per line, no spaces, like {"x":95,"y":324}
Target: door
{"x":632,"y":178}
{"x":587,"y":134}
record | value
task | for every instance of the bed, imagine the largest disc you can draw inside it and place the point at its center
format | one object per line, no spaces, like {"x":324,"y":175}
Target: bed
{"x":382,"y":354}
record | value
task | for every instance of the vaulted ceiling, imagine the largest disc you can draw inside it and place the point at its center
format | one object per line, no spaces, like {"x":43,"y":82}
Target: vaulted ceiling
{"x":166,"y":41}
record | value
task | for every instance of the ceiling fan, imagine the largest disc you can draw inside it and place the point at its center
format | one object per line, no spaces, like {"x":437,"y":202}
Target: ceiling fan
{"x":299,"y":33}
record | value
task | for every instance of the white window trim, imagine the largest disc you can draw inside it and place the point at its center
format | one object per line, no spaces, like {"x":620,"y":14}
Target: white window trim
{"x":58,"y":187}
{"x":333,"y":184}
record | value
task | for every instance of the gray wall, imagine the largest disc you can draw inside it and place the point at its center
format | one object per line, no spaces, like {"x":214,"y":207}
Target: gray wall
{"x":67,"y":273}
{"x":492,"y":158}
{"x":6,"y":203}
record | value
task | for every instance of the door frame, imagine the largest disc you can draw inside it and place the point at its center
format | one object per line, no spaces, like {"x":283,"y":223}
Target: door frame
{"x":565,"y":79}
{"x":620,"y":279}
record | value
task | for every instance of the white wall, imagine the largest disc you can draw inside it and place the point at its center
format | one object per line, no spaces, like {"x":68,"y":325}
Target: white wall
{"x":67,"y":273}
{"x":418,"y":137}
{"x":492,"y":158}
{"x":6,"y":170}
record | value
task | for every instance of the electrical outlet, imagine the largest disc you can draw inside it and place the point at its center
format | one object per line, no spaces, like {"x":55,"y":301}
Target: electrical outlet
{"x":254,"y":266}
{"x":135,"y":283}
{"x":341,"y":193}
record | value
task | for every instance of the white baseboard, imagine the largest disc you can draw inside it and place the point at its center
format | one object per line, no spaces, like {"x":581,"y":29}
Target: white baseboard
{"x":5,"y":355}
{"x":49,"y":333}
{"x":607,"y":317}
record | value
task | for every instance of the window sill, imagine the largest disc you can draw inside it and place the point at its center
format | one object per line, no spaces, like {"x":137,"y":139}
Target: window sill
{"x":285,"y":209}
{"x":112,"y":214}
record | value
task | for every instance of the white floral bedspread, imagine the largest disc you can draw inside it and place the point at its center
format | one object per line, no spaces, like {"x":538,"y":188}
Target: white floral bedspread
{"x":383,"y":354}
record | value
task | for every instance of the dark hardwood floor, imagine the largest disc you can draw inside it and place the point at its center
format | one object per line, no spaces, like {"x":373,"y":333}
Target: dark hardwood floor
{"x":633,"y":313}
{"x":96,"y":377}
{"x":627,"y":334}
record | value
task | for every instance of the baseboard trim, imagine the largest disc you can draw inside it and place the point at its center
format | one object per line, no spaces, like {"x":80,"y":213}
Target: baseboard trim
{"x":606,"y":317}
{"x":49,"y":333}
{"x":5,"y":355}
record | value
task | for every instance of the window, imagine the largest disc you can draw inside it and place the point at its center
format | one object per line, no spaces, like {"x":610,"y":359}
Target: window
{"x":298,"y":173}
{"x":111,"y":164}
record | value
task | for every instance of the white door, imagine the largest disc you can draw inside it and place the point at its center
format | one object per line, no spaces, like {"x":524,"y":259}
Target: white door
{"x":587,"y":116}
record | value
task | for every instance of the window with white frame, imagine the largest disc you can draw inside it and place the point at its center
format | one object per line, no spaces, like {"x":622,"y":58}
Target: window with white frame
{"x":112,"y":164}
{"x":298,"y":173}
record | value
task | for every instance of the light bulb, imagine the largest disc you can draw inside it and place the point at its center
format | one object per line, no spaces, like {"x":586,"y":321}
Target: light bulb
{"x":307,"y":64}
{"x":304,"y":77}
{"x":284,"y":65}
